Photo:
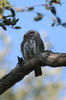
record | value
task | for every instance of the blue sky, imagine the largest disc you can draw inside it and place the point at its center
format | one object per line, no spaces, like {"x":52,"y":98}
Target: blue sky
{"x":57,"y":34}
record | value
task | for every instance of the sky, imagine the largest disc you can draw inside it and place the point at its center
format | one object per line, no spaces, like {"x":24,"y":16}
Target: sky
{"x":57,"y":34}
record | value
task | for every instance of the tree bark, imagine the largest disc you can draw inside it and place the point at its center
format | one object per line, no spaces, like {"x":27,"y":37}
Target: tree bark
{"x":24,"y":67}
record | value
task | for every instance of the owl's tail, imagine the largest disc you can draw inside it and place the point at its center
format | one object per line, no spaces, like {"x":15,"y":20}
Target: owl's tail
{"x":38,"y":71}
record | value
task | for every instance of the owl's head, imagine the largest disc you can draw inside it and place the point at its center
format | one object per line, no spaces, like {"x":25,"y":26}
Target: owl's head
{"x":31,"y":33}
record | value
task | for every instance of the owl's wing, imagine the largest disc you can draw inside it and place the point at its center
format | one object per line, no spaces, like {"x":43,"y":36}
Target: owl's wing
{"x":22,"y":45}
{"x":40,"y":45}
{"x":25,"y":49}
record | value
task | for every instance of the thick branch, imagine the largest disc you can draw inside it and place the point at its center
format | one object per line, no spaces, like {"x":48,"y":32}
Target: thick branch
{"x":46,"y":58}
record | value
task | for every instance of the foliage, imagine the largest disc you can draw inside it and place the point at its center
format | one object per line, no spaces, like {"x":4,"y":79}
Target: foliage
{"x":9,"y":20}
{"x":49,"y":5}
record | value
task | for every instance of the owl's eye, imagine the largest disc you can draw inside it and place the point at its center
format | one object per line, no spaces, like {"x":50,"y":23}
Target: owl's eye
{"x":31,"y":32}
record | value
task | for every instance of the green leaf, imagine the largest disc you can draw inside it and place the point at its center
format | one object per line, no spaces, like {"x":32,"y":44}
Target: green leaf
{"x":13,"y":12}
{"x":13,"y":22}
{"x":30,"y":8}
{"x":7,"y":21}
{"x":3,"y":3}
{"x":53,"y":10}
{"x":55,"y":2}
{"x":17,"y":27}
{"x":1,"y":13}
{"x":64,"y":24}
{"x":53,"y":24}
{"x":59,"y":20}
{"x":17,"y":19}
{"x":39,"y":17}
{"x":3,"y":26}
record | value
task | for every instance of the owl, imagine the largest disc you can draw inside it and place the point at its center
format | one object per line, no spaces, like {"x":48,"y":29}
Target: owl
{"x":31,"y":46}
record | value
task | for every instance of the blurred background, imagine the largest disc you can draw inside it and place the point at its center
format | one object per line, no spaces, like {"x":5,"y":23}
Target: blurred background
{"x":52,"y":84}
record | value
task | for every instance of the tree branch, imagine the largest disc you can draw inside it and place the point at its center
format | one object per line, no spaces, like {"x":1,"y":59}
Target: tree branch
{"x":24,"y":67}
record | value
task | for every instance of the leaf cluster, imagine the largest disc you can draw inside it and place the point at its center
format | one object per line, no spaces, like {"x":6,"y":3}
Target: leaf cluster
{"x":7,"y":20}
{"x":48,"y":6}
{"x":11,"y":20}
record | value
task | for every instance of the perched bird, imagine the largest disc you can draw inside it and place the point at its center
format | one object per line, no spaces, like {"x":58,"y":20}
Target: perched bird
{"x":31,"y":46}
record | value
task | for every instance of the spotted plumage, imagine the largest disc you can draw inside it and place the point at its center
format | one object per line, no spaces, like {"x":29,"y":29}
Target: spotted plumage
{"x":31,"y":46}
